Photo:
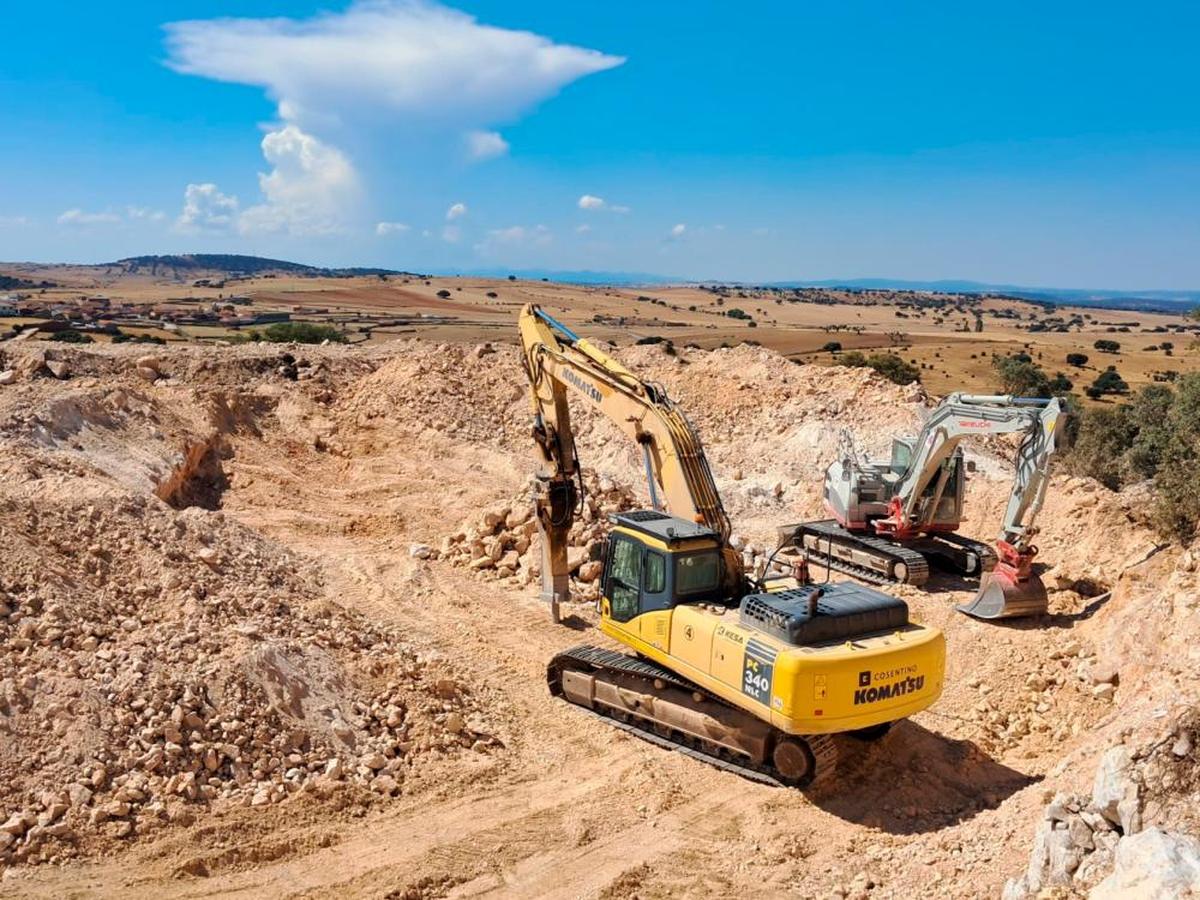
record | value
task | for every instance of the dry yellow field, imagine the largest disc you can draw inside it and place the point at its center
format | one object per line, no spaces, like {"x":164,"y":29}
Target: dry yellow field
{"x":943,"y":343}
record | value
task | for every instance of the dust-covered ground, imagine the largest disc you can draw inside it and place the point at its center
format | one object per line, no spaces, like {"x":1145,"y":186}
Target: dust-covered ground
{"x":268,"y":626}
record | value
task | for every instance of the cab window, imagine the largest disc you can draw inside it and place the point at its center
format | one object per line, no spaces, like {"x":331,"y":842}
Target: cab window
{"x":655,"y":573}
{"x":624,"y":578}
{"x":697,"y":572}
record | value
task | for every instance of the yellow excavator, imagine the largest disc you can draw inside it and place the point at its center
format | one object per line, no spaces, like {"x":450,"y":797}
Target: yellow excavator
{"x":751,"y":675}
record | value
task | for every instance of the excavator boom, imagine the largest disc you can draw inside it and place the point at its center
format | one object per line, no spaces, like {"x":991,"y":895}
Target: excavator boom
{"x":678,"y":477}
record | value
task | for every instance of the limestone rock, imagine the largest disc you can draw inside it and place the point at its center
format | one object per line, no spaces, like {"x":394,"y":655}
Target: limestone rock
{"x":1152,"y":865}
{"x":1115,"y":793}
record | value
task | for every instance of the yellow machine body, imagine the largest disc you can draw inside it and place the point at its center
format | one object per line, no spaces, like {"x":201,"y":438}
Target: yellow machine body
{"x":832,"y":686}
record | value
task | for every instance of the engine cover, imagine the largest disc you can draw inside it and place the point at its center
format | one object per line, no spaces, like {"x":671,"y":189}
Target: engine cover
{"x":820,"y":613}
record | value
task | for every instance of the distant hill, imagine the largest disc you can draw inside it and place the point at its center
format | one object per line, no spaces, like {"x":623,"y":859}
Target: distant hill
{"x":235,"y":264}
{"x":1148,"y":300}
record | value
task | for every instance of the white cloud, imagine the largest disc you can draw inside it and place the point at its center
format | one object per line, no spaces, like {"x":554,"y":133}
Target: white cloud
{"x":79,"y":217}
{"x":583,"y":229}
{"x":408,"y":60}
{"x":383,"y":229}
{"x":13,"y":221}
{"x":457,"y":211}
{"x":205,"y":208}
{"x":677,"y":231}
{"x":309,"y":190}
{"x":145,"y":213}
{"x":483,"y":145}
{"x":451,"y":234}
{"x":514,"y":236}
{"x":594,"y":204}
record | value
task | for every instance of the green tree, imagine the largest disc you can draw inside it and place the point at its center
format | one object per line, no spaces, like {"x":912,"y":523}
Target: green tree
{"x":1106,"y":346}
{"x":1021,"y":377}
{"x":1078,"y":360}
{"x":893,"y":368}
{"x":1110,"y":382}
{"x":300,"y":333}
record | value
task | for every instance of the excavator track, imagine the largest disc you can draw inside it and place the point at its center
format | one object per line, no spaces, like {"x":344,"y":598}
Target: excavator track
{"x":984,"y":552}
{"x":642,"y":683}
{"x":893,"y":563}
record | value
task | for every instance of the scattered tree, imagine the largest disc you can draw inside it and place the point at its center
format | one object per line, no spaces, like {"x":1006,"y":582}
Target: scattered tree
{"x":1105,"y":346}
{"x":1078,"y":360}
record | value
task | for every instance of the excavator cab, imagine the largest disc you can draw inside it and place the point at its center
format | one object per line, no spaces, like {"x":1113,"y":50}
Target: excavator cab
{"x":654,"y":561}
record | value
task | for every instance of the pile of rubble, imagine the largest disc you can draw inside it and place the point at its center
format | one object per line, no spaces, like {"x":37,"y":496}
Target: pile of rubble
{"x":503,"y":543}
{"x":154,"y":661}
{"x":1127,"y":837}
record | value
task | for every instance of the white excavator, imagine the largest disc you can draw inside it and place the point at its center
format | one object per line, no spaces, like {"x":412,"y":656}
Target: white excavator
{"x":892,"y":518}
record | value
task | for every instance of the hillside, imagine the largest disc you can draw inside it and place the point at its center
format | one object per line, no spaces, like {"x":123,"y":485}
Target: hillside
{"x":232,"y":264}
{"x":241,"y":646}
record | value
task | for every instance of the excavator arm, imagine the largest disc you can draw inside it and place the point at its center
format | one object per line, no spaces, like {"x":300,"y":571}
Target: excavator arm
{"x":677,"y":473}
{"x":960,"y":416}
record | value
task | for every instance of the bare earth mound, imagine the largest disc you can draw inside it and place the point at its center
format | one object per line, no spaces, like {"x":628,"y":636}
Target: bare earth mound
{"x":268,"y":619}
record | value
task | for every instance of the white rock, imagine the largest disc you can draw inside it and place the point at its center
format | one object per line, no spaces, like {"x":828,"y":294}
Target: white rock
{"x":420,"y":551}
{"x":1114,"y":792}
{"x":1152,"y":865}
{"x":8,"y":376}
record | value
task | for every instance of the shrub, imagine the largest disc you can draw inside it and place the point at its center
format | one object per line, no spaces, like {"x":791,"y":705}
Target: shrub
{"x":1156,"y":436}
{"x":121,"y":338}
{"x":1110,"y":382}
{"x":492,"y":295}
{"x":853,"y":358}
{"x":300,"y":333}
{"x":71,"y":336}
{"x":832,"y":346}
{"x":650,"y":339}
{"x":734,"y":313}
{"x":444,"y":294}
{"x":1078,"y":360}
{"x":893,"y":368}
{"x":1021,"y":377}
{"x":1105,"y":346}
{"x":1060,"y":384}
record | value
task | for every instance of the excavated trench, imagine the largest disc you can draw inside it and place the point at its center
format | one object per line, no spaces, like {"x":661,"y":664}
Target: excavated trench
{"x":200,"y":479}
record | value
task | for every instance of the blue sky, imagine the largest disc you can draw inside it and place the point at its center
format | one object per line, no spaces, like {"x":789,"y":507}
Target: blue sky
{"x":1041,"y":144}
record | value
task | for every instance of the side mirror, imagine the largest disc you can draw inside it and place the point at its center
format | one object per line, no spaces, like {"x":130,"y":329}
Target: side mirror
{"x":971,"y":465}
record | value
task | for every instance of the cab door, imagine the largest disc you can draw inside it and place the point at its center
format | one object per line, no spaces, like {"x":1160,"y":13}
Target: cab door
{"x":637,"y":591}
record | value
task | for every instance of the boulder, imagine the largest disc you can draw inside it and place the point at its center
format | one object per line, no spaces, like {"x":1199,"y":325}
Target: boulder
{"x":1152,"y":865}
{"x":1115,"y":793}
{"x":58,"y":369}
{"x":8,"y":376}
{"x":576,"y":557}
{"x":590,"y":571}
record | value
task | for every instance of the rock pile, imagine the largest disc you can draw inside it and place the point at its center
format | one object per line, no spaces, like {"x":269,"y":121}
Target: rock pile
{"x":154,"y":660}
{"x":1104,"y":842}
{"x":503,"y":543}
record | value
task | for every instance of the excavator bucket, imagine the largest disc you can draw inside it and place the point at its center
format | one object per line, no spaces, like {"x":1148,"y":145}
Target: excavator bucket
{"x":1005,"y":595}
